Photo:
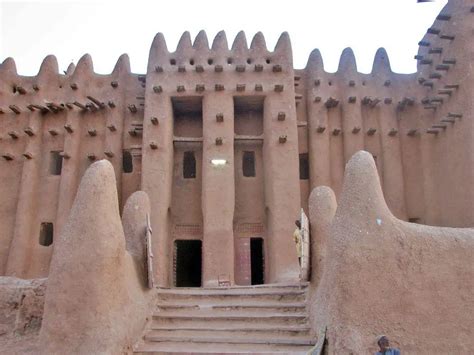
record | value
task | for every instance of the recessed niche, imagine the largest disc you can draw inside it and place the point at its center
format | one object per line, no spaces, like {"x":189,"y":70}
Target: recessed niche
{"x":248,"y":115}
{"x":187,"y":116}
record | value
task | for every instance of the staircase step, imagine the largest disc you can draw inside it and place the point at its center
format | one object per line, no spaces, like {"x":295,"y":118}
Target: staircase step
{"x":228,"y":315}
{"x":217,"y":323}
{"x":242,"y":336}
{"x":244,"y":327}
{"x":213,"y":348}
{"x":234,"y":306}
{"x":223,"y":291}
{"x":158,"y":336}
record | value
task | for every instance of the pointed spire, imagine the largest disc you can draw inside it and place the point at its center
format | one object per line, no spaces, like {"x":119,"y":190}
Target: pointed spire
{"x":220,"y":42}
{"x":49,"y":66}
{"x":70,"y":69}
{"x":8,"y":66}
{"x":184,"y":44}
{"x":158,"y":52}
{"x":122,"y":65}
{"x":315,"y":62}
{"x":84,"y":66}
{"x":347,"y":63}
{"x":201,"y":42}
{"x":240,"y":42}
{"x":381,"y":62}
{"x":284,"y":43}
{"x":258,"y":42}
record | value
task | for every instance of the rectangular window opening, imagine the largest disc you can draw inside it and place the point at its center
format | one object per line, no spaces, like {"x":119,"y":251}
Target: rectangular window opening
{"x":248,"y":164}
{"x":127,"y":161}
{"x":304,"y":166}
{"x":188,"y":263}
{"x":189,"y":165}
{"x":187,"y":116}
{"x":46,"y":234}
{"x":257,"y":261}
{"x":56,"y":163}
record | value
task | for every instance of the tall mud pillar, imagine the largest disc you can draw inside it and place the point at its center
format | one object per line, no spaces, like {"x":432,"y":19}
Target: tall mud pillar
{"x":157,"y":157}
{"x":218,"y":189}
{"x":20,"y":255}
{"x":318,"y":132}
{"x":280,"y":154}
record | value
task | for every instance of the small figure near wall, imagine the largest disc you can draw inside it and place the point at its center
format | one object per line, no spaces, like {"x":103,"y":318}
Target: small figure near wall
{"x":384,"y":345}
{"x":298,"y":240}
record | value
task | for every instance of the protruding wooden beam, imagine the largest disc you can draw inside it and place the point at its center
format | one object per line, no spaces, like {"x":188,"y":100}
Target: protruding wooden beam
{"x":157,"y":89}
{"x":15,"y":109}
{"x":92,"y":132}
{"x":454,"y":115}
{"x":28,"y":155}
{"x":432,"y":131}
{"x":424,"y":44}
{"x":153,"y":145}
{"x":73,"y":86}
{"x":36,"y":87}
{"x":320,"y":129}
{"x":114,"y":84}
{"x":258,"y":87}
{"x":387,"y":83}
{"x":426,"y":61}
{"x":282,"y":139}
{"x":218,"y":68}
{"x":355,"y":130}
{"x":100,"y":104}
{"x":159,"y":69}
{"x":317,"y":82}
{"x":154,"y":121}
{"x":448,"y":120}
{"x":317,"y":99}
{"x":220,"y":117}
{"x":435,"y":50}
{"x":435,"y":76}
{"x":219,"y":141}
{"x":91,"y":156}
{"x":13,"y":134}
{"x":29,"y":131}
{"x":352,"y":99}
{"x":81,"y":106}
{"x":371,"y":131}
{"x":68,"y":128}
{"x":281,"y":116}
{"x":412,"y":132}
{"x":53,"y":132}
{"x":8,"y":156}
{"x":278,"y":88}
{"x":451,"y":86}
{"x":240,"y":68}
{"x":109,"y":154}
{"x":258,"y":67}
{"x":111,"y":104}
{"x":219,"y":87}
{"x":21,"y":90}
{"x":277,"y":68}
{"x":448,"y":37}
{"x":200,"y":87}
{"x":111,"y":128}
{"x":331,"y":102}
{"x":440,"y":126}
{"x":132,"y":108}
{"x":442,"y":67}
{"x":199,"y":68}
{"x":336,"y":131}
{"x":433,"y":31}
{"x":240,"y":87}
{"x":393,"y":132}
{"x":450,"y":61}
{"x":443,"y":17}
{"x":65,"y":155}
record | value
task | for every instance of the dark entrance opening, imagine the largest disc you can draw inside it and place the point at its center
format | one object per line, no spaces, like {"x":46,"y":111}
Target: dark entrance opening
{"x":187,"y":263}
{"x":257,"y":261}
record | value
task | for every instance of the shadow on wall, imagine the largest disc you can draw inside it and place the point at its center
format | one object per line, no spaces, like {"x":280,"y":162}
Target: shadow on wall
{"x":381,"y":275}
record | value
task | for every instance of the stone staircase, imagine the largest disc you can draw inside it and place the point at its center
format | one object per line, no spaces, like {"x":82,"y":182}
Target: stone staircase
{"x":256,"y":319}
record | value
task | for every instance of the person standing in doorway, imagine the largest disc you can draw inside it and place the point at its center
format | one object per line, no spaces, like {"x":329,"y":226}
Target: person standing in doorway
{"x":298,"y":240}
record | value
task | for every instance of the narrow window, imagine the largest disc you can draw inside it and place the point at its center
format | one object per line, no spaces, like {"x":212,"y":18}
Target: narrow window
{"x":189,"y":165}
{"x":304,"y":166}
{"x":56,"y":163}
{"x":46,"y":234}
{"x":414,"y":220}
{"x":127,"y":162}
{"x":248,"y":164}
